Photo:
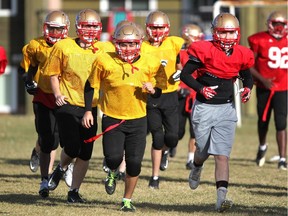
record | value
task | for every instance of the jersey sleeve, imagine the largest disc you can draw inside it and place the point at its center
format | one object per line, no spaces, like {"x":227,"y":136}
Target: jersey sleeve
{"x":31,"y":51}
{"x":197,"y":49}
{"x":178,"y":43}
{"x":25,"y":63}
{"x":54,"y":65}
{"x":97,"y":73}
{"x":249,"y":59}
{"x":253,"y":41}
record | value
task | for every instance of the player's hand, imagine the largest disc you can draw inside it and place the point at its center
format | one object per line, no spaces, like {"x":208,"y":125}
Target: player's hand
{"x":208,"y":91}
{"x":183,"y":92}
{"x":31,"y":87}
{"x":268,"y":83}
{"x":147,"y":86}
{"x":60,"y":100}
{"x":87,"y":120}
{"x":176,"y":76}
{"x":245,"y":94}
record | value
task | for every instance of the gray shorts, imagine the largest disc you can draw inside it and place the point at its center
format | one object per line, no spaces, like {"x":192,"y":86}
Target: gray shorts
{"x":214,"y":127}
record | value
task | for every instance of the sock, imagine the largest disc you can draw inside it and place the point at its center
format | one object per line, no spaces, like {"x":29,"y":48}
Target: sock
{"x":126,"y":199}
{"x":222,"y":184}
{"x":155,"y":177}
{"x":166,"y":152}
{"x":282,"y":159}
{"x":263,"y":147}
{"x":190,"y":156}
{"x":44,"y":177}
{"x":75,"y":189}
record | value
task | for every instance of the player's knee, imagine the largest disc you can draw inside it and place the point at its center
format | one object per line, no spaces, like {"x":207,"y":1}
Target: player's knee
{"x":181,"y":134}
{"x":171,"y":140}
{"x":280,"y":123}
{"x":133,"y":169}
{"x":201,"y":155}
{"x":113,"y":161}
{"x":48,"y":144}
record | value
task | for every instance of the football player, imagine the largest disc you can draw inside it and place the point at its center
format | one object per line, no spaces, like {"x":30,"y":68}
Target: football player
{"x":162,"y":112}
{"x":218,"y":63}
{"x":186,"y":96}
{"x":125,"y":78}
{"x":270,"y":74}
{"x":68,"y":68}
{"x":35,"y":56}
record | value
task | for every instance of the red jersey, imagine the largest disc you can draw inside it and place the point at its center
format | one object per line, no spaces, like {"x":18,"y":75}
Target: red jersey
{"x":217,"y":63}
{"x":272,"y":58}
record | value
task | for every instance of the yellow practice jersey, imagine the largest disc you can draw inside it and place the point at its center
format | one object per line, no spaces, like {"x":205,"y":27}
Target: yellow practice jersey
{"x":167,"y":53}
{"x":73,"y":65}
{"x":36,"y":53}
{"x":120,"y":84}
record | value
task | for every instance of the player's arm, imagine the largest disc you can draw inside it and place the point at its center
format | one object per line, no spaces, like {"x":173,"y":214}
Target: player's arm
{"x":189,"y":68}
{"x":55,"y":86}
{"x":30,"y":84}
{"x":179,"y":67}
{"x":247,"y":80}
{"x":268,"y":83}
{"x":88,"y":120}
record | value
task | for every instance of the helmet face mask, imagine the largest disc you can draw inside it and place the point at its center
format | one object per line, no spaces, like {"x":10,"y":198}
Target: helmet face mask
{"x":157,"y":26}
{"x":192,"y":33}
{"x":55,"y":26}
{"x":127,"y":40}
{"x":225,"y":31}
{"x":88,"y":25}
{"x":277,"y":24}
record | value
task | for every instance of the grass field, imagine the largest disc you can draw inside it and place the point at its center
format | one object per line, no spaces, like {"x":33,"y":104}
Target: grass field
{"x":254,"y":190}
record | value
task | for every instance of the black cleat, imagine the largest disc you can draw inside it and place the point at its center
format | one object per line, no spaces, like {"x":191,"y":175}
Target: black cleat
{"x":55,"y":177}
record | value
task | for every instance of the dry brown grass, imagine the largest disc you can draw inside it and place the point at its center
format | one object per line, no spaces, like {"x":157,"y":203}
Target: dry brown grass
{"x":254,"y":190}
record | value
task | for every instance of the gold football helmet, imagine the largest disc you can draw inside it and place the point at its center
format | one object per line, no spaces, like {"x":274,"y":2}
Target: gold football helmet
{"x":192,"y":33}
{"x":277,"y":24}
{"x":225,"y":22}
{"x":154,"y":21}
{"x":127,"y":34}
{"x":56,"y":26}
{"x":88,"y":25}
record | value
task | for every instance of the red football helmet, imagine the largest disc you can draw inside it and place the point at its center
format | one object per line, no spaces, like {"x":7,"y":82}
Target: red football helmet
{"x":157,"y":19}
{"x":225,"y":22}
{"x":277,"y":24}
{"x":88,"y":17}
{"x":58,"y":20}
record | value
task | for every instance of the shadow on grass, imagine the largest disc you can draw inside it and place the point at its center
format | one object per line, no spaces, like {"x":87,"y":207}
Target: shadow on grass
{"x":209,"y":208}
{"x":29,"y":199}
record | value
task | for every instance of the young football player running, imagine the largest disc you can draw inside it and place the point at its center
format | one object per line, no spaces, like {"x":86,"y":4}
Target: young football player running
{"x":125,"y":78}
{"x":186,"y":96}
{"x":270,"y":73}
{"x":218,"y":63}
{"x":35,"y":56}
{"x":68,"y":68}
{"x":162,"y":112}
